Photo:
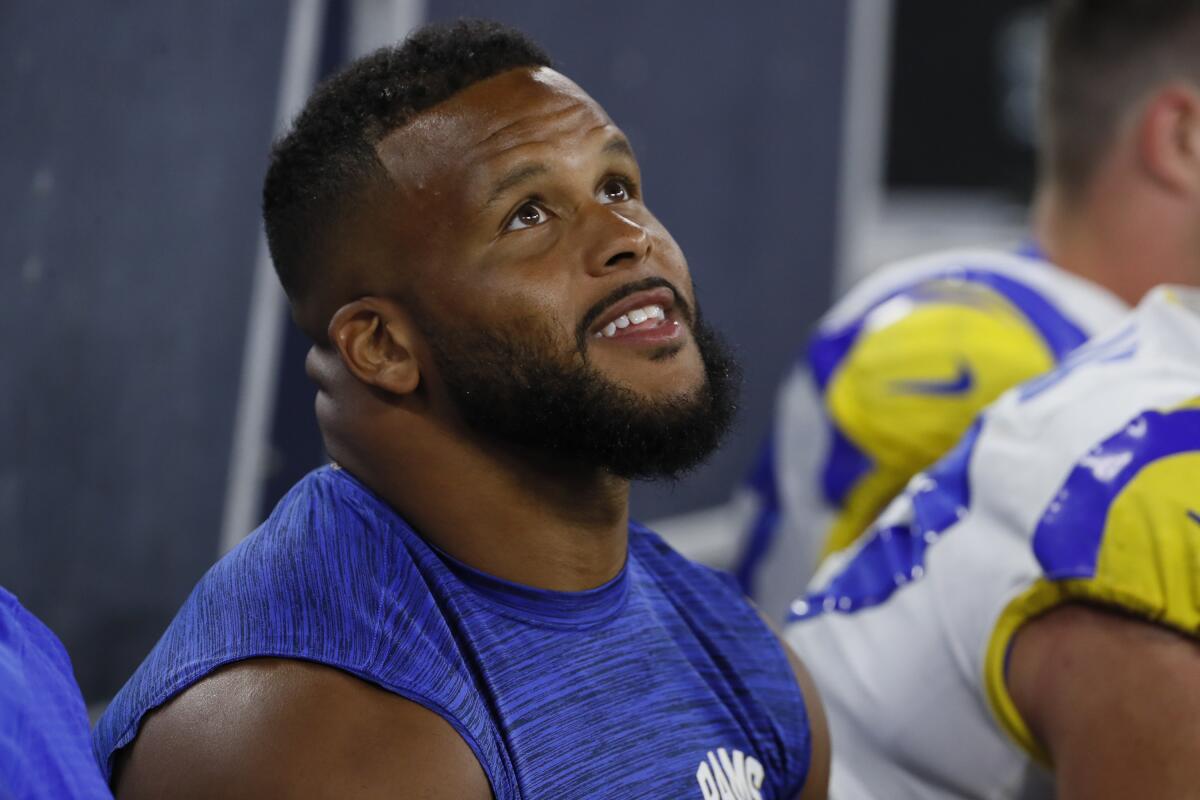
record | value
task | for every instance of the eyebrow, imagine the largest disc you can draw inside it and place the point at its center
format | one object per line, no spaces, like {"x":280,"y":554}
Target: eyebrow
{"x":617,"y":145}
{"x":515,"y":177}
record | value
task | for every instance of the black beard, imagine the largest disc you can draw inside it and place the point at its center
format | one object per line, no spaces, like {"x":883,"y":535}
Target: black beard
{"x":536,"y":394}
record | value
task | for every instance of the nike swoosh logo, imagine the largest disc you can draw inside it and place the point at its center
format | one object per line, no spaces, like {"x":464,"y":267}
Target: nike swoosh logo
{"x":961,"y":383}
{"x":1195,"y":517}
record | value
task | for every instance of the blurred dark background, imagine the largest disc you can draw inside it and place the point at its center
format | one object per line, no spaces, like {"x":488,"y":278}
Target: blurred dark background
{"x":962,"y":85}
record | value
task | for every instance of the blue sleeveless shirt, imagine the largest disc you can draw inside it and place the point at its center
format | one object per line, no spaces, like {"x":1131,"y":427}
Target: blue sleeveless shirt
{"x":662,"y":683}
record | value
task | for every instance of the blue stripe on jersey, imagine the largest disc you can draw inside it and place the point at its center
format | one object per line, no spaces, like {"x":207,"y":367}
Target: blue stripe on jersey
{"x":1032,"y":250}
{"x":620,"y":692}
{"x":845,"y":465}
{"x":894,"y":555}
{"x":1068,"y":537}
{"x":827,"y":350}
{"x":1118,"y":346}
{"x":1057,"y":330}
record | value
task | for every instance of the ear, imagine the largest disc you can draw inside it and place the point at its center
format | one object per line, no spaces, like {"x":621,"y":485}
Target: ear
{"x":1168,"y":138}
{"x":376,"y":341}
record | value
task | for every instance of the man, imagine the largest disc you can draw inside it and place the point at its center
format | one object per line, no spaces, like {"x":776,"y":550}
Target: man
{"x":504,"y":335}
{"x":902,"y":365}
{"x":44,"y":750}
{"x":1024,"y":621}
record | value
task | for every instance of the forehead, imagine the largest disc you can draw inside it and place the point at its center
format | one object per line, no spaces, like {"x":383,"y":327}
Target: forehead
{"x":492,"y":124}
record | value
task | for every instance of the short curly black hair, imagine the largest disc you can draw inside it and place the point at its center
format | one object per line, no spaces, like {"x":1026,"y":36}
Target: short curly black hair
{"x":1102,"y":56}
{"x":328,"y":158}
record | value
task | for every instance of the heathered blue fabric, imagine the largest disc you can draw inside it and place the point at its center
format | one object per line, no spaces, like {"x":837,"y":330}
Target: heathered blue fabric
{"x":44,"y":749}
{"x":618,"y":692}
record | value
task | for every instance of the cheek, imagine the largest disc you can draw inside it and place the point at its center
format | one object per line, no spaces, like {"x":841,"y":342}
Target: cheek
{"x":502,"y":294}
{"x":669,"y":252}
{"x":541,"y":301}
{"x":675,"y":266}
{"x":535,"y":315}
{"x":543,"y":296}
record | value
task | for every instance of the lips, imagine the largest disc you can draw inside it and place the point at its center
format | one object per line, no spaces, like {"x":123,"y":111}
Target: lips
{"x":637,"y":320}
{"x":638,"y":311}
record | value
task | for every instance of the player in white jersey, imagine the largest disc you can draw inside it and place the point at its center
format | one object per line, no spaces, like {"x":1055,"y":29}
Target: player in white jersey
{"x":950,"y":655}
{"x":893,"y":376}
{"x":900,"y":367}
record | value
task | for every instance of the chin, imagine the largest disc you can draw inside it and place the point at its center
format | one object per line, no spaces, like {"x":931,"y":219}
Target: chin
{"x":657,"y":384}
{"x":647,"y":360}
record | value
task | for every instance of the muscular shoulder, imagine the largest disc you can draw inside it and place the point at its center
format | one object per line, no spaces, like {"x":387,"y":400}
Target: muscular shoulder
{"x":279,"y":728}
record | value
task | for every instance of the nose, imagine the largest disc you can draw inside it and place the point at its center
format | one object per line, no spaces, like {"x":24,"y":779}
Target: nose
{"x":618,"y":242}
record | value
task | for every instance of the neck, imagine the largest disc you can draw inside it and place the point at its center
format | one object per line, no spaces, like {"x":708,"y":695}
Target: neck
{"x":519,"y":516}
{"x":1124,"y":238}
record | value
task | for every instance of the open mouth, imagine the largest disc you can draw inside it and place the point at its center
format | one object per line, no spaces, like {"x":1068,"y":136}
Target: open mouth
{"x":650,"y":316}
{"x":646,"y":314}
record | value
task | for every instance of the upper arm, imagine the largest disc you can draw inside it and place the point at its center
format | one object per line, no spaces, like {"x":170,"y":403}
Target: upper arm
{"x":816,"y":783}
{"x":280,"y":728}
{"x":919,"y":371}
{"x":1114,"y":700}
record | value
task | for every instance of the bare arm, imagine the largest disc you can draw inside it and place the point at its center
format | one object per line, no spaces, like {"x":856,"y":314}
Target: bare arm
{"x":290,"y":729}
{"x":1115,"y":701}
{"x":816,"y":786}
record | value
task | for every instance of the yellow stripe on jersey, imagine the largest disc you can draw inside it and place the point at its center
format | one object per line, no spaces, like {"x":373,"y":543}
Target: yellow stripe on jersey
{"x":916,"y":377}
{"x":1148,"y":565}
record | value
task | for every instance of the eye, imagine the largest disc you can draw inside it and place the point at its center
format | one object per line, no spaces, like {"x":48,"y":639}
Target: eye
{"x":527,"y":215}
{"x":614,"y":190}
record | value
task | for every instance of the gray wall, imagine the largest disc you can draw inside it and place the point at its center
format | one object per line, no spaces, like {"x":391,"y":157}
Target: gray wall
{"x":134,"y":139}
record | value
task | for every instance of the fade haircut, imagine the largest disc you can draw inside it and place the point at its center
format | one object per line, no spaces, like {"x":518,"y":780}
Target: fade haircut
{"x":1102,"y":57}
{"x":328,"y":160}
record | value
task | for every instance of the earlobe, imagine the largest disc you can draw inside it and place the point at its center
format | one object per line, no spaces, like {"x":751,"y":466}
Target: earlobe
{"x":374,"y":340}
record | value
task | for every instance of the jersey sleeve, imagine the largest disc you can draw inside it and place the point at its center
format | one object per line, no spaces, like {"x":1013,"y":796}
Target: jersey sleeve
{"x":1122,"y":531}
{"x":900,"y":385}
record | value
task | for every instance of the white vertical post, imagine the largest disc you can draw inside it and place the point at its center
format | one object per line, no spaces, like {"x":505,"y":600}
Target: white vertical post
{"x":373,"y":23}
{"x":264,"y":332}
{"x":861,"y":191}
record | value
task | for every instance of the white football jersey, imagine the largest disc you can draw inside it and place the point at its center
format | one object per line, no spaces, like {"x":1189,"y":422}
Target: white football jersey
{"x":1081,"y":485}
{"x":894,"y":374}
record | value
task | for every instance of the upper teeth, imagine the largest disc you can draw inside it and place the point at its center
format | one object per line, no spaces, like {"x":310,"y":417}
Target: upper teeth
{"x":635,"y":317}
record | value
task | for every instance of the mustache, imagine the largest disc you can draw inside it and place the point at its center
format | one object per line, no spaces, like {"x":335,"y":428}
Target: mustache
{"x":620,"y":294}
